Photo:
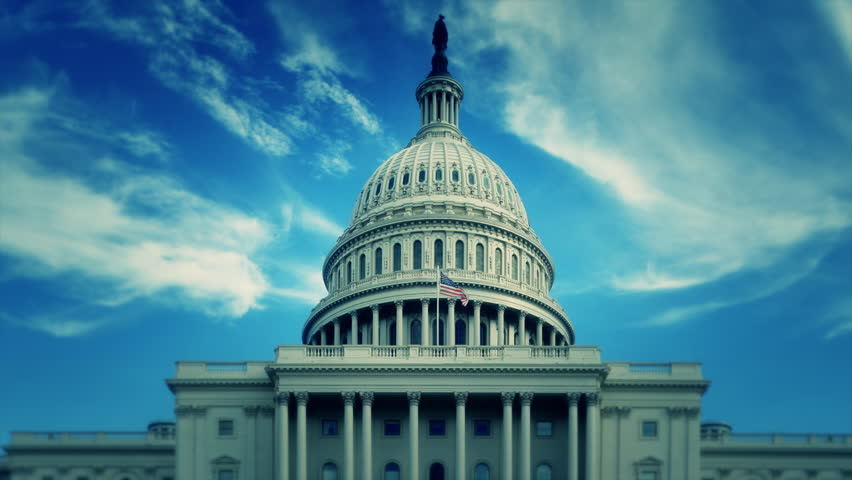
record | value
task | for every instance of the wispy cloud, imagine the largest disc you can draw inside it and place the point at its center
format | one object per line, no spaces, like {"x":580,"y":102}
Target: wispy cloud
{"x":838,"y":15}
{"x":298,"y":213}
{"x":839,"y":318}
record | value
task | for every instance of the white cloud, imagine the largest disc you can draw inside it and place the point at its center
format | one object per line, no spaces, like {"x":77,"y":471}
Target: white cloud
{"x":297,"y":213}
{"x":838,"y":15}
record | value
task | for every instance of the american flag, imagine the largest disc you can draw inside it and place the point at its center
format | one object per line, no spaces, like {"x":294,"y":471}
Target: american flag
{"x":452,"y":289}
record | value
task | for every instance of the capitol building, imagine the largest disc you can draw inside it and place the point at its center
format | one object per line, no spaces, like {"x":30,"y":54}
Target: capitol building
{"x":395,"y":379}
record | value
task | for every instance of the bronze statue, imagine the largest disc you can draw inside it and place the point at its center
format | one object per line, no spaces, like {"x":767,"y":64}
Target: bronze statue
{"x":439,"y":40}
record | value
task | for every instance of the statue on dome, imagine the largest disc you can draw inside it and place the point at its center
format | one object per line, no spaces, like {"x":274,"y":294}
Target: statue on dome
{"x":439,"y":40}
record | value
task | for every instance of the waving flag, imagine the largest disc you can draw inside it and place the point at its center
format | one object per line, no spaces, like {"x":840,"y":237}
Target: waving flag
{"x":452,"y":289}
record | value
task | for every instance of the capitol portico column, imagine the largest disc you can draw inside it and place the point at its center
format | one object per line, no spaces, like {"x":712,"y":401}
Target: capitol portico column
{"x":337,"y":332}
{"x":501,"y":325}
{"x":451,"y":321}
{"x":323,"y":337}
{"x":573,"y":437}
{"x":539,"y":332}
{"x":525,"y":463}
{"x":477,"y":308}
{"x":522,"y":333}
{"x":367,"y":434}
{"x":399,"y":331}
{"x":375,"y":330}
{"x":592,"y":440}
{"x":348,"y":436}
{"x":301,"y":435}
{"x":424,"y":322}
{"x":414,"y":435}
{"x":508,"y":399}
{"x":282,"y":436}
{"x":353,"y":337}
{"x":552,"y":337}
{"x":461,"y":461}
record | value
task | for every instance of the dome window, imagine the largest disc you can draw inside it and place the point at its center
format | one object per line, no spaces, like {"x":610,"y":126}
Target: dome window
{"x":417,"y":255}
{"x":480,"y":258}
{"x":455,"y":175}
{"x":471,"y":178}
{"x":378,"y":187}
{"x":405,"y":178}
{"x":439,"y":253}
{"x":377,"y":262}
{"x":397,"y":257}
{"x":459,"y":254}
{"x":421,"y":176}
{"x":499,"y":190}
{"x":367,"y":196}
{"x":486,"y":183}
{"x":439,"y":175}
{"x":391,"y":183}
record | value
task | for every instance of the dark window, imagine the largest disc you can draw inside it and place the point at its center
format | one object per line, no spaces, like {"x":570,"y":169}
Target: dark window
{"x":480,"y":258}
{"x":226,"y":428}
{"x":329,"y":471}
{"x":482,"y":428}
{"x":439,"y":174}
{"x":514,"y":267}
{"x":459,"y":254}
{"x":405,"y":178}
{"x":461,"y":332}
{"x":329,"y":428}
{"x":417,"y":255}
{"x":421,"y":176}
{"x":455,"y":175}
{"x":481,"y":472}
{"x":392,"y":472}
{"x":367,"y":197}
{"x":223,"y":475}
{"x":437,"y":428}
{"x":392,"y":428}
{"x":471,"y":178}
{"x":544,"y":428}
{"x":439,"y":253}
{"x":649,"y":428}
{"x":377,"y":262}
{"x":483,"y":334}
{"x":392,"y":334}
{"x":414,"y":332}
{"x":397,"y":257}
{"x":362,"y":267}
{"x":379,"y":187}
{"x":348,"y":272}
{"x":436,"y":472}
{"x":498,"y":261}
{"x":391,"y":182}
{"x":527,"y":273}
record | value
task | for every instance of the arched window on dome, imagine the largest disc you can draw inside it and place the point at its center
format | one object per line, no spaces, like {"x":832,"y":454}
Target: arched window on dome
{"x":480,"y":258}
{"x":499,"y":190}
{"x":459,"y":254}
{"x":481,"y":472}
{"x":537,"y":285}
{"x":417,"y":255}
{"x":471,"y":178}
{"x":527,"y":273}
{"x":406,"y":178}
{"x":439,"y":253}
{"x":329,"y":471}
{"x":367,"y":197}
{"x":514,"y":267}
{"x":397,"y":257}
{"x":455,"y":176}
{"x":543,"y":472}
{"x":377,"y":262}
{"x":392,"y":472}
{"x":421,"y":176}
{"x":362,"y":267}
{"x":349,"y":272}
{"x":498,"y":261}
{"x":439,"y":174}
{"x":391,"y":183}
{"x":486,"y":183}
{"x":483,"y":334}
{"x":414,"y":332}
{"x":461,"y":332}
{"x":378,"y":187}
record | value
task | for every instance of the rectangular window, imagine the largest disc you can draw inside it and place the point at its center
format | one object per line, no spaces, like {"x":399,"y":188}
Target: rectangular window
{"x":647,"y":475}
{"x":482,"y":428}
{"x":226,"y":428}
{"x":437,"y":428}
{"x":649,"y":429}
{"x":226,"y":475}
{"x":329,"y":428}
{"x":392,"y":428}
{"x":544,"y":428}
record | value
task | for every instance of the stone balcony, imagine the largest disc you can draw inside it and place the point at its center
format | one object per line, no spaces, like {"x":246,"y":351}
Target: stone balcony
{"x":381,"y":354}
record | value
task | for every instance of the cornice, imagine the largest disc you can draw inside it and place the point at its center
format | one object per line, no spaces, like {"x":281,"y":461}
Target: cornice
{"x":662,"y":383}
{"x":599,"y":371}
{"x":174,"y":383}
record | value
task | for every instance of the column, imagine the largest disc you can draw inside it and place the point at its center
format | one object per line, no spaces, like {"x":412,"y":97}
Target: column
{"x":367,"y":434}
{"x":592,"y":440}
{"x":501,"y":325}
{"x":461,"y":461}
{"x":525,"y":463}
{"x":301,"y":435}
{"x":348,"y":436}
{"x":353,"y":336}
{"x":424,"y":322}
{"x":506,"y":469}
{"x":337,"y":331}
{"x":477,"y":307}
{"x":422,"y":111}
{"x":510,"y":340}
{"x":539,"y":331}
{"x":522,"y":316}
{"x":184,"y":440}
{"x":400,"y":333}
{"x":451,"y":321}
{"x":552,"y":337}
{"x":375,"y":332}
{"x":250,"y":443}
{"x":282,"y":436}
{"x":434,"y":111}
{"x":323,"y":337}
{"x":414,"y":435}
{"x":201,"y":464}
{"x":573,"y":437}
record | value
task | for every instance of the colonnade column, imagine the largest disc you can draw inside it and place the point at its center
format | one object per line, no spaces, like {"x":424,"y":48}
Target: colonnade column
{"x":522,"y":331}
{"x":337,"y":331}
{"x":477,"y":308}
{"x":510,"y":340}
{"x":282,"y":436}
{"x":539,"y":332}
{"x":353,"y":336}
{"x":301,"y":435}
{"x":573,"y":437}
{"x":367,"y":434}
{"x":552,"y":337}
{"x":414,"y":435}
{"x":323,"y":337}
{"x":434,"y":112}
{"x":399,"y":331}
{"x":348,"y":436}
{"x":375,"y":328}
{"x":592,"y":440}
{"x":501,"y":325}
{"x":461,"y":461}
{"x":424,"y":322}
{"x":508,"y":399}
{"x":525,"y":463}
{"x":451,"y":321}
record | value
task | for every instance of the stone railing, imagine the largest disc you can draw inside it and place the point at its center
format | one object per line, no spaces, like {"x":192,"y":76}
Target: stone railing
{"x":639,"y":371}
{"x":222,"y":369}
{"x":417,"y":353}
{"x":76,"y":438}
{"x":784,"y":439}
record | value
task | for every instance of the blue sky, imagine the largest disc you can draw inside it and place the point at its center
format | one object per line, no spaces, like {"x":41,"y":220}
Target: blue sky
{"x":172,"y":175}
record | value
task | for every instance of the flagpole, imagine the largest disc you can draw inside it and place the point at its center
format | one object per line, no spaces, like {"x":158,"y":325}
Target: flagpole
{"x":437,"y":305}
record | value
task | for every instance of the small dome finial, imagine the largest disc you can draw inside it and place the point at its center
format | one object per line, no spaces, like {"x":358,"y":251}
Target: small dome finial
{"x":439,"y":40}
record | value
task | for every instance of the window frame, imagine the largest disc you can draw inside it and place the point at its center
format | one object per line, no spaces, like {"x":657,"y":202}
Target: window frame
{"x":649,"y":421}
{"x":385,"y":427}
{"x":220,"y":421}
{"x":481,"y":421}
{"x":329,"y":421}
{"x":541,"y":422}
{"x":437,"y":421}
